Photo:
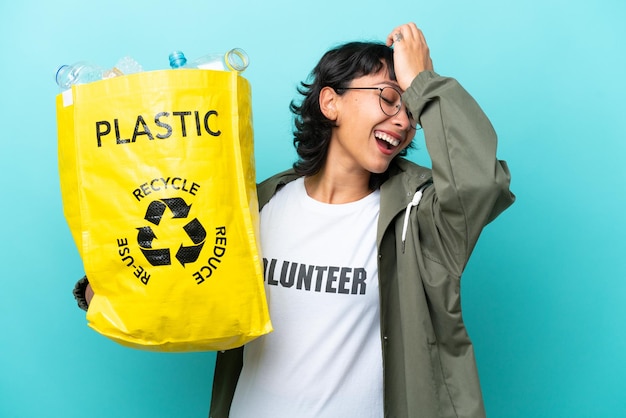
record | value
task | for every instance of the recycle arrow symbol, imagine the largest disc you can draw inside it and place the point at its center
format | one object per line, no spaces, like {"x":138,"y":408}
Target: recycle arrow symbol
{"x":197,"y":233}
{"x":156,"y":209}
{"x":156,"y":257}
{"x":194,"y":229}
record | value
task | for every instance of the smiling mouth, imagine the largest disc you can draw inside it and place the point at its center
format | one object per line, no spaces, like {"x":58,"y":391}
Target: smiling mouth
{"x":388,"y":140}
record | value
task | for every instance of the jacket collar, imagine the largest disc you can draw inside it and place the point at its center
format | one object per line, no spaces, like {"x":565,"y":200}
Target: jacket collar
{"x":269,"y":187}
{"x":396,"y":192}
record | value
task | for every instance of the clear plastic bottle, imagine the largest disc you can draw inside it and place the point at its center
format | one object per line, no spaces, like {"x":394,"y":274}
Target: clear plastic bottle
{"x":127,"y":65}
{"x":78,"y":73}
{"x":234,"y":60}
{"x":86,"y":72}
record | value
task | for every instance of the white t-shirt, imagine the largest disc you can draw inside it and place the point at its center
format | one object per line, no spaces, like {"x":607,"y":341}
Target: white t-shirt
{"x":324,"y":358}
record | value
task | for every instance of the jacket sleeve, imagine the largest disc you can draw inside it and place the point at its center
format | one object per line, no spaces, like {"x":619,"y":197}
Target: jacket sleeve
{"x":228,"y":366}
{"x":471,"y":185}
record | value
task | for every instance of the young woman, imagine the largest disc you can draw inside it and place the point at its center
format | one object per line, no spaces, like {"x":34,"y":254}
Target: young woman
{"x":364,"y":250}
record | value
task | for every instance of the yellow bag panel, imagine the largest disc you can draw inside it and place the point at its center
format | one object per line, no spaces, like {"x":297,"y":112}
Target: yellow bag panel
{"x":158,"y":185}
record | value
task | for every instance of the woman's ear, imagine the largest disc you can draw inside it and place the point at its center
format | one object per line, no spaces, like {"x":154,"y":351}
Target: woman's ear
{"x":328,"y":103}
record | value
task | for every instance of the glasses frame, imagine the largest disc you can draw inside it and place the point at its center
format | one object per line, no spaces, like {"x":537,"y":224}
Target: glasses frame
{"x":412,"y":120}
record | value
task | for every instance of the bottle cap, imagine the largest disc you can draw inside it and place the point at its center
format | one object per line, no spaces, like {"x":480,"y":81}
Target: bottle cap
{"x":237,"y":59}
{"x":177,"y":59}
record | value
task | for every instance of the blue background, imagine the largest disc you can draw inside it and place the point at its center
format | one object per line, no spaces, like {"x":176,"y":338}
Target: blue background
{"x":544,"y":292}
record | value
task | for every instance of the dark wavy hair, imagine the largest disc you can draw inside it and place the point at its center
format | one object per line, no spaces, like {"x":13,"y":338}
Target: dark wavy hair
{"x":336,"y":69}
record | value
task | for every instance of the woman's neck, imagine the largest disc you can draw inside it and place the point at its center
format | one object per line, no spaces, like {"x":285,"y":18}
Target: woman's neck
{"x":330,"y":186}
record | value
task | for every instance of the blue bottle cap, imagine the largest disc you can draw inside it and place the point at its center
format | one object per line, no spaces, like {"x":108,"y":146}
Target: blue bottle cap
{"x":177,"y":59}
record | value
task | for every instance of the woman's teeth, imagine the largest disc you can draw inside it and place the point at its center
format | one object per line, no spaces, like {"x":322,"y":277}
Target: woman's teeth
{"x":387,"y":138}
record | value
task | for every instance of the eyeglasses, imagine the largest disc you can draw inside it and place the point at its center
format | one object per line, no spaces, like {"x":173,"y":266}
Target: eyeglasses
{"x":390,"y":101}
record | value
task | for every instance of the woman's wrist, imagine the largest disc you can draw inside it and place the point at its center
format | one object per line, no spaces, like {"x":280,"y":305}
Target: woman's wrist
{"x":81,"y":293}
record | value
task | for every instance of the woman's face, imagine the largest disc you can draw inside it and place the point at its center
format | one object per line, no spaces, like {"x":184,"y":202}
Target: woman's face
{"x":365,"y":138}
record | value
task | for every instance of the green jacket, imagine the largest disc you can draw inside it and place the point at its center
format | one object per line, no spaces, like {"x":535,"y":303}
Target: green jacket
{"x":428,"y":358}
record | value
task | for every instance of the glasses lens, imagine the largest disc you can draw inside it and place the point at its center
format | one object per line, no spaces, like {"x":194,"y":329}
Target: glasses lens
{"x":390,"y":101}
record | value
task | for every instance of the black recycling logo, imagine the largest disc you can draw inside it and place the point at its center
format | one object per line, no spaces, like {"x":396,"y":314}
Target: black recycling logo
{"x":194,"y":229}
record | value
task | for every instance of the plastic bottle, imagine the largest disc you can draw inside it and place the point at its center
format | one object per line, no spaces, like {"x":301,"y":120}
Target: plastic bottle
{"x":86,"y":72}
{"x":127,"y":65}
{"x":234,"y":60}
{"x":78,"y":73}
